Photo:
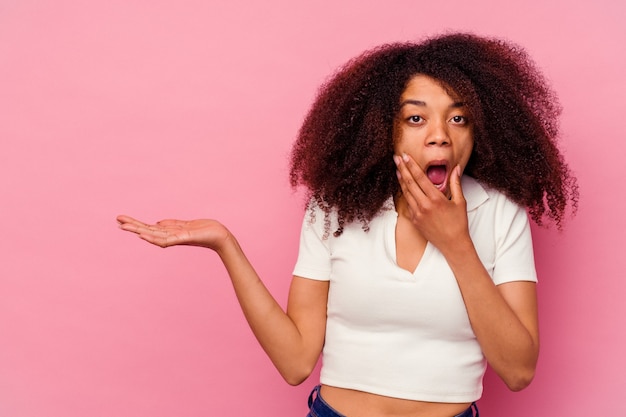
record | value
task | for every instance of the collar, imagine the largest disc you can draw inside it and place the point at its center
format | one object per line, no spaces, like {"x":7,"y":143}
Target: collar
{"x":475,"y":194}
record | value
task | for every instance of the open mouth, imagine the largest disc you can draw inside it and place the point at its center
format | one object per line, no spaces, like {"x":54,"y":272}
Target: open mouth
{"x":437,"y":174}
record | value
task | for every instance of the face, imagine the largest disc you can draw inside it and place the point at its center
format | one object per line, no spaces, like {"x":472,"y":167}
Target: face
{"x":433,"y":127}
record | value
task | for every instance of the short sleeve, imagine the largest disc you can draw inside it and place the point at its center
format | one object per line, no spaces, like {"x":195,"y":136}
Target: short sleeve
{"x":313,"y":255}
{"x":514,"y":259}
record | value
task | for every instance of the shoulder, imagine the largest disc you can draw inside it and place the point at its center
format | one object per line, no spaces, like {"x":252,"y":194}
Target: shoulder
{"x":324,"y":221}
{"x":318,"y":220}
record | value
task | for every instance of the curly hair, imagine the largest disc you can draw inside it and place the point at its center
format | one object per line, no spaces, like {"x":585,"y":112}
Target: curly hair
{"x":344,"y":150}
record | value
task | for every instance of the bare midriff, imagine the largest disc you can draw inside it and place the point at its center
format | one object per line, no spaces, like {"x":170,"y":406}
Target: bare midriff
{"x":353,"y":403}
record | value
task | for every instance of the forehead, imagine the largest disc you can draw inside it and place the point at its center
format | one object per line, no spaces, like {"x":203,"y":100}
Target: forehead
{"x":421,"y":84}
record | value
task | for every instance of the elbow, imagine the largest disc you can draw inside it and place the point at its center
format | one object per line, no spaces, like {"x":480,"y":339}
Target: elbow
{"x":295,"y":380}
{"x":520,"y":380}
{"x":518,"y":376}
{"x":296,"y":376}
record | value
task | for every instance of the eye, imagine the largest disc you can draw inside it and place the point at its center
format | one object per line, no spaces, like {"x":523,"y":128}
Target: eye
{"x":459,"y":120}
{"x":415,"y":119}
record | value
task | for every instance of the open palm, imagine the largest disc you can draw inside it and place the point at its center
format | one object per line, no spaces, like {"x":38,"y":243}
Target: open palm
{"x":203,"y":232}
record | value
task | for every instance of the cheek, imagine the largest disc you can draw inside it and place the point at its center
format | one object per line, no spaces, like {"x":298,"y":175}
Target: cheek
{"x":399,"y":147}
{"x":399,"y":142}
{"x":396,"y":136}
{"x":467,"y":152}
{"x":409,"y":147}
{"x":406,"y":139}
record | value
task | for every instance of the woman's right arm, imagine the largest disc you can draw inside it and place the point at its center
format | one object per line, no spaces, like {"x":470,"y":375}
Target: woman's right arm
{"x":293,"y":340}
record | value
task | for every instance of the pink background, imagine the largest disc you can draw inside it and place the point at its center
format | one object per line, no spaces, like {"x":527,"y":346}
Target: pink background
{"x":188,"y":109}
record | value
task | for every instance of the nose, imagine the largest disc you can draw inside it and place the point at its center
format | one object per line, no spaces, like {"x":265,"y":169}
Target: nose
{"x":438,"y":134}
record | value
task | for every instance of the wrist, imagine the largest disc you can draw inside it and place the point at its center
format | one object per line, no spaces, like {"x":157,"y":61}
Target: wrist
{"x":227,"y":245}
{"x":459,"y":251}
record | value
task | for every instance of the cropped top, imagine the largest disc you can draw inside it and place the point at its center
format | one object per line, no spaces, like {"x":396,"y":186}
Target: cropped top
{"x":407,"y":335}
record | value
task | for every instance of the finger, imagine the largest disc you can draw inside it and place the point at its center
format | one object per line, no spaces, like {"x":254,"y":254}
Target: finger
{"x":417,"y":182}
{"x":422,"y":180}
{"x":456,"y":190}
{"x":142,"y":228}
{"x":405,"y":187}
{"x":172,"y":222}
{"x":158,"y":234}
{"x":124,"y":219}
{"x":407,"y":182}
{"x":163,"y":241}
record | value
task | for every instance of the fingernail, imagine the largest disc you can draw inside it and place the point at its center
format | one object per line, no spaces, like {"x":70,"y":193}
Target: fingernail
{"x":398,"y":175}
{"x":405,"y":157}
{"x":396,"y":159}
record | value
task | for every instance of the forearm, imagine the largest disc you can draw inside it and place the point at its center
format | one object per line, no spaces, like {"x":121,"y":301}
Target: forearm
{"x":277,"y":333}
{"x":508,"y":339}
{"x":292,"y":341}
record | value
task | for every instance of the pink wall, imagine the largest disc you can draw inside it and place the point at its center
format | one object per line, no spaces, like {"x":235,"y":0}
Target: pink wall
{"x":188,"y":108}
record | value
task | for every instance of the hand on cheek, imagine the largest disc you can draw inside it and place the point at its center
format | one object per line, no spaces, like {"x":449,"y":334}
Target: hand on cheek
{"x":440,"y":220}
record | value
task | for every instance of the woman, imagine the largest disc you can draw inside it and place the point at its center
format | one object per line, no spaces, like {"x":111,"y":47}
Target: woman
{"x":411,"y":276}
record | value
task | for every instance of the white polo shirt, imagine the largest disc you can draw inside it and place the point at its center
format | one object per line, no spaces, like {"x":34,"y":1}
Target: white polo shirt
{"x":401,"y":334}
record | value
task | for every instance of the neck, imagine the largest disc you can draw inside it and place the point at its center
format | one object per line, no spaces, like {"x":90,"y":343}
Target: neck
{"x":402,"y":206}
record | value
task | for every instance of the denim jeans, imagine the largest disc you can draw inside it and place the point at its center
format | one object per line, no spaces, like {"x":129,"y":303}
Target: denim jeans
{"x":319,"y":408}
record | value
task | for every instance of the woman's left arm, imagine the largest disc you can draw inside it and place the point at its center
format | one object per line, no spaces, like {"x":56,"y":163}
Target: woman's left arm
{"x":503,"y":317}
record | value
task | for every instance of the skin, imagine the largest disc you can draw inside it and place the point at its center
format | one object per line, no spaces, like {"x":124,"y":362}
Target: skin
{"x":430,"y":126}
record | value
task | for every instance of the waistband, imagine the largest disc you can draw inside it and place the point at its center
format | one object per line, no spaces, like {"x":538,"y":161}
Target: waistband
{"x":320,"y":408}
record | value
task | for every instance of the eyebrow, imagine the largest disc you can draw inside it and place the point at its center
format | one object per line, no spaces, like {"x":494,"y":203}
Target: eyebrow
{"x":420,"y":103}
